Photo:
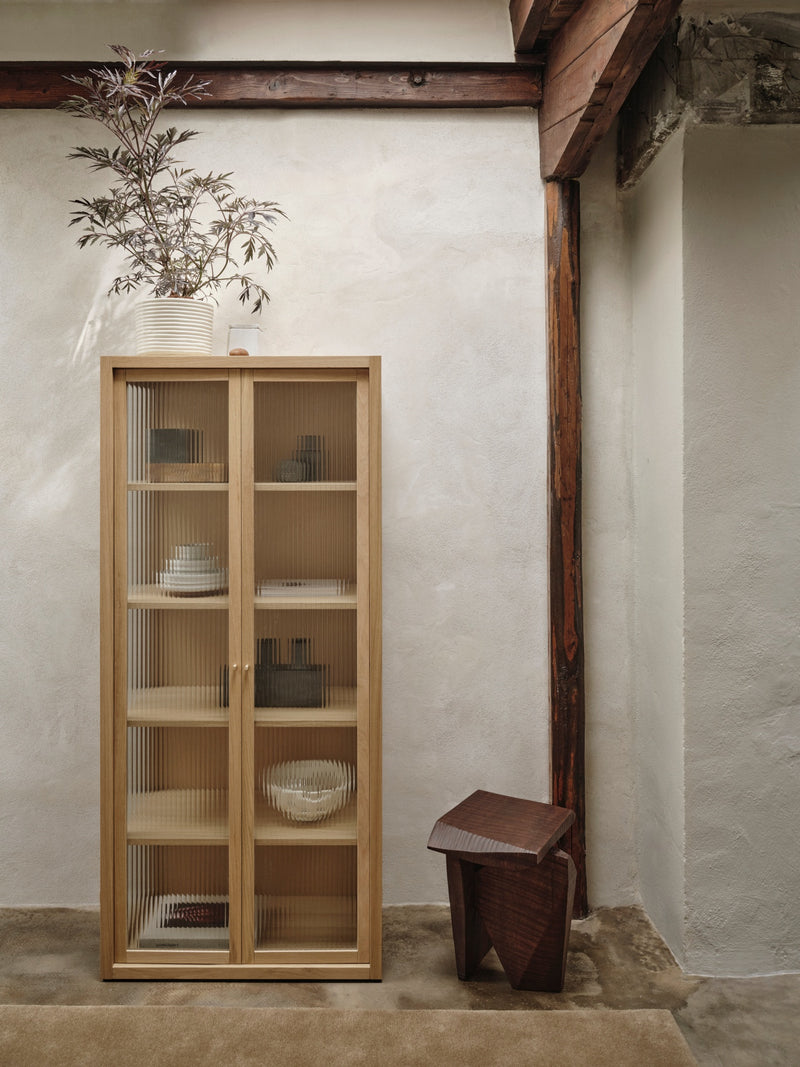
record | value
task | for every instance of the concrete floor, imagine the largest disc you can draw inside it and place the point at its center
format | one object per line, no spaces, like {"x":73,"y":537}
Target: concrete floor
{"x":616,"y":960}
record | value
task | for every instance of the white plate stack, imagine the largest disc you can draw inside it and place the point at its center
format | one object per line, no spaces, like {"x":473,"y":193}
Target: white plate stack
{"x":174,"y":326}
{"x":193,"y":571}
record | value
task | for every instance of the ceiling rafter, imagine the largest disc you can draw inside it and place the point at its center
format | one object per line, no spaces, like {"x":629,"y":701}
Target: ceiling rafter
{"x":595,"y":52}
{"x":534,"y":22}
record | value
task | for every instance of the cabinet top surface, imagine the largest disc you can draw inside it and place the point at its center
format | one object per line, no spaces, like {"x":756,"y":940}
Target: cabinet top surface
{"x":241,"y":362}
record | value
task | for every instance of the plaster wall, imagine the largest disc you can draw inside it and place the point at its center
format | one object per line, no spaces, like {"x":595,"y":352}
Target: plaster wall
{"x":742,"y":526}
{"x":259,"y":29}
{"x":657,"y":344}
{"x":415,"y":236}
{"x":606,"y":385}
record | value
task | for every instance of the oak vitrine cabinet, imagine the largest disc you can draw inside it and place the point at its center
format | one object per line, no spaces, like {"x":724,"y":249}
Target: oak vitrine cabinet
{"x":240,"y":667}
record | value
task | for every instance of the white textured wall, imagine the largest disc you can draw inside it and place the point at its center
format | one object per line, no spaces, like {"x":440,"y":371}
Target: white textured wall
{"x":259,"y":29}
{"x":607,"y":379}
{"x":715,"y":228}
{"x":657,"y":649}
{"x":414,"y":236}
{"x":742,"y":520}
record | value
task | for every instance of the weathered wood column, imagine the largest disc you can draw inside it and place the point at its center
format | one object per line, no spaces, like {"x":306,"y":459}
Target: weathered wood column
{"x":567,"y":700}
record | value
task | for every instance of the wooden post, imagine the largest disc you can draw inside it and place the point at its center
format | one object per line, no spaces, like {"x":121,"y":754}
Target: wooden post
{"x":567,"y":718}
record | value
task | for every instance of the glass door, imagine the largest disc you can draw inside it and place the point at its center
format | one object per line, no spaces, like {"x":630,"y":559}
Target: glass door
{"x":177,"y":741}
{"x":306,"y":699}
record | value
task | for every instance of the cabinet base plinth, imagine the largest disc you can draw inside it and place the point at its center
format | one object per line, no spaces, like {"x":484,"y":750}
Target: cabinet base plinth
{"x":320,"y":972}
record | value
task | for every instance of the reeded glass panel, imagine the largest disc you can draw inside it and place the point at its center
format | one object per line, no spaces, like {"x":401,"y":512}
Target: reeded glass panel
{"x":178,"y":432}
{"x":305,"y":784}
{"x":178,"y":897}
{"x":304,"y":658}
{"x":177,"y":665}
{"x":177,"y":543}
{"x":305,"y":432}
{"x":305,"y":569}
{"x":177,"y":784}
{"x":305,"y":544}
{"x":305,"y":897}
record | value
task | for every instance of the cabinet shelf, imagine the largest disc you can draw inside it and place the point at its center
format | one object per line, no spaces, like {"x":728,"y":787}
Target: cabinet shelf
{"x":152,"y":596}
{"x":273,"y":829}
{"x":200,"y":817}
{"x":178,"y":487}
{"x":317,"y":603}
{"x":176,"y":705}
{"x":191,"y":705}
{"x":305,"y":487}
{"x":340,"y":711}
{"x":178,"y":817}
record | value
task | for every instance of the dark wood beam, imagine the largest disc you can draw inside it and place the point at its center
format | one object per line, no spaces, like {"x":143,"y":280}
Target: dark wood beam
{"x":527,"y":19}
{"x":309,"y":85}
{"x":592,"y":64}
{"x":533,"y":22}
{"x":567,"y":697}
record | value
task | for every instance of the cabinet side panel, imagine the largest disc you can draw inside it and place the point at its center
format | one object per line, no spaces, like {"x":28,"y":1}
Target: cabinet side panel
{"x":106,"y":669}
{"x":375,"y":665}
{"x":120,"y":663}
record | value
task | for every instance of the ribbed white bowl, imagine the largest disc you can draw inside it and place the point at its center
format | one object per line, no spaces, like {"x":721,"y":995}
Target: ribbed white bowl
{"x":174,"y":326}
{"x":308,"y":790}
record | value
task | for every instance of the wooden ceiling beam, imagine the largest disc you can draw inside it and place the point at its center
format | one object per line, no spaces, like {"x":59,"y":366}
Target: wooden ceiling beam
{"x":592,"y":64}
{"x":309,"y":85}
{"x":534,"y":22}
{"x":527,"y":19}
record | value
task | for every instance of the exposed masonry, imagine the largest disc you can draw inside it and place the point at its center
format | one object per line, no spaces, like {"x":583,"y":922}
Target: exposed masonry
{"x":739,"y":70}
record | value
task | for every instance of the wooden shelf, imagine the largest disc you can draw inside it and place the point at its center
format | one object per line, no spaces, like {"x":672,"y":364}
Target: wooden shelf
{"x":176,"y":705}
{"x":340,"y":711}
{"x":178,"y":817}
{"x":190,"y":705}
{"x":347,"y":601}
{"x":200,"y":817}
{"x":273,"y":829}
{"x":152,"y":596}
{"x":305,"y":487}
{"x":178,"y":487}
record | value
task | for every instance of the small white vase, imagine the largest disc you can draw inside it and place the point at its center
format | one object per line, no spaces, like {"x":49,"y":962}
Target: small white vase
{"x":174,"y":326}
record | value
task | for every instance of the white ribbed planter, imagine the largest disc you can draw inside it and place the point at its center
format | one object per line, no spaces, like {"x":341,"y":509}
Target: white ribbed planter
{"x":174,"y":326}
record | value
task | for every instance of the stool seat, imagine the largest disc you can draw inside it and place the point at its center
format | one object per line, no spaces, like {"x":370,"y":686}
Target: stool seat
{"x":509,"y":886}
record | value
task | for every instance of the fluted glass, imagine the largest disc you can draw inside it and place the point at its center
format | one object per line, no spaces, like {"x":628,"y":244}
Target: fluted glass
{"x":305,"y":683}
{"x":177,"y":738}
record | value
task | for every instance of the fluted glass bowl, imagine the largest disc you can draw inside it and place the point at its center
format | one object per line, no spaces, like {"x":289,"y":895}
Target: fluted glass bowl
{"x":308,"y":790}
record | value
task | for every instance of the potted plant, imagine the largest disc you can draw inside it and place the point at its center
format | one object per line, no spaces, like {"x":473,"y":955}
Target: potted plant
{"x":183,"y":234}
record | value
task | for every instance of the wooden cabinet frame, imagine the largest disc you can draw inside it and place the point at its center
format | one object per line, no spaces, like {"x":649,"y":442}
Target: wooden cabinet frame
{"x":243,"y":959}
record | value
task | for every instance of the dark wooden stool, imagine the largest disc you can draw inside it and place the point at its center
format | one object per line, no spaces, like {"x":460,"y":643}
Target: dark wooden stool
{"x":509,"y":887}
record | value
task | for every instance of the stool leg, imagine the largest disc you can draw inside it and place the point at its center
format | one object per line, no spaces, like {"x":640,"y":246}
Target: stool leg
{"x":527,"y":914}
{"x":470,"y":938}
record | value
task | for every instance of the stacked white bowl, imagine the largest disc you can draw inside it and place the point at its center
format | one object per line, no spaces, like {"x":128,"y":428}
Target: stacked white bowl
{"x":193,"y":571}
